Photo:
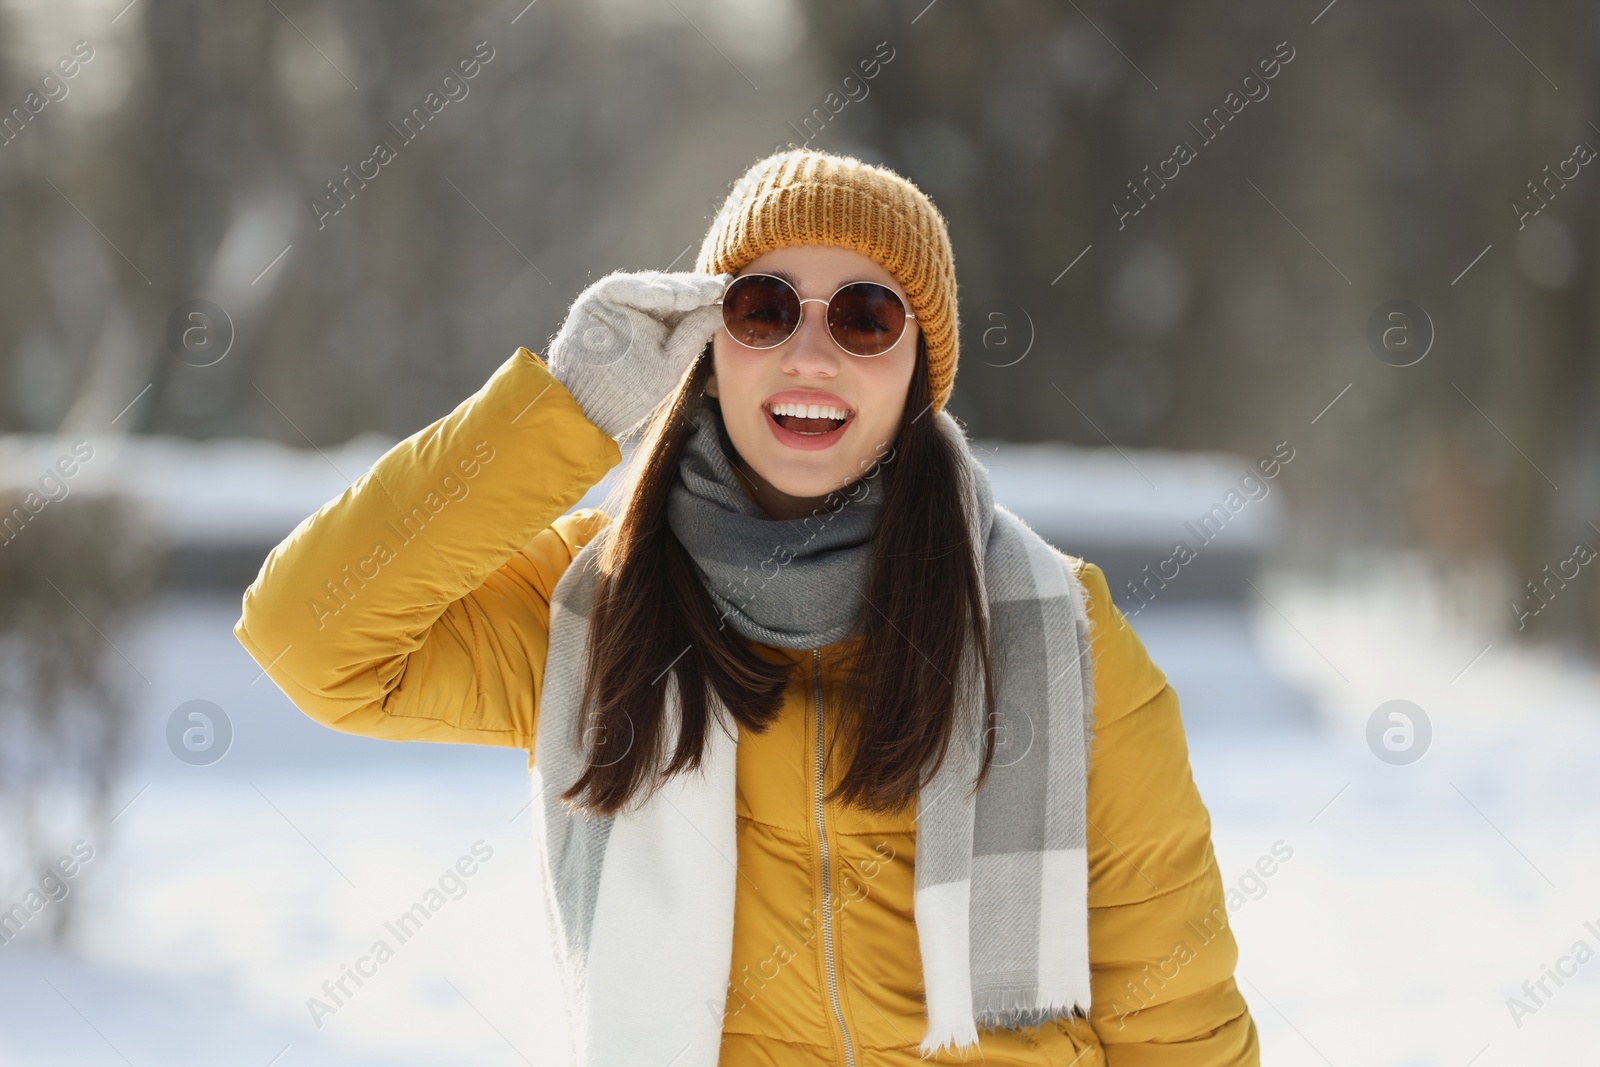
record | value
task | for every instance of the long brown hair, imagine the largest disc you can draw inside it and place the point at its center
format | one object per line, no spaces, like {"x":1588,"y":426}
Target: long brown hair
{"x":654,"y":624}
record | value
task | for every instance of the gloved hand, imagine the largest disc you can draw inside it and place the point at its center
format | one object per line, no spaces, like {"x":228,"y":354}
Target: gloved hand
{"x":629,"y":337}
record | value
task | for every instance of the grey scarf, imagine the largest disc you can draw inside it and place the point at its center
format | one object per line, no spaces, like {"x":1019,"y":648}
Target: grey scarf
{"x":641,"y":904}
{"x":792,"y":583}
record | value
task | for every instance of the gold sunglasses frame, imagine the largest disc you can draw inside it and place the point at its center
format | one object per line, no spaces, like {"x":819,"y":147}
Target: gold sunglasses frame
{"x":910,"y":316}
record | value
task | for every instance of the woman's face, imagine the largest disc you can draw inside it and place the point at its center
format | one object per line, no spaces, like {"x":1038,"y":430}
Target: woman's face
{"x":790,"y":461}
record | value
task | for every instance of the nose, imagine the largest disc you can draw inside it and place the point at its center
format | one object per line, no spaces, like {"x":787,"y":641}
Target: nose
{"x":810,"y":351}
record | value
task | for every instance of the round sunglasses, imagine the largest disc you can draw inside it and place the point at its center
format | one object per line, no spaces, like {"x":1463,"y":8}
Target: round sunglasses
{"x":763,"y":311}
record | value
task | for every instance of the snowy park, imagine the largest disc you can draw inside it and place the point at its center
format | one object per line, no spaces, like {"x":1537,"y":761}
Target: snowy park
{"x":226,"y":902}
{"x":1283,"y":317}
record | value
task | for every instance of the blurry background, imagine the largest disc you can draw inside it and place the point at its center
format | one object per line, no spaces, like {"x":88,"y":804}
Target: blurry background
{"x":1370,"y":266}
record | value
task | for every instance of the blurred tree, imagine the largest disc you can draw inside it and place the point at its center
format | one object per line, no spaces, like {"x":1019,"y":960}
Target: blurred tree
{"x":72,"y":577}
{"x":1227,"y":313}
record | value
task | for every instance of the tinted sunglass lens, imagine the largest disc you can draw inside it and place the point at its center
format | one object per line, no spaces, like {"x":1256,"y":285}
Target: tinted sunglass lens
{"x":867,"y":318}
{"x":760,"y":311}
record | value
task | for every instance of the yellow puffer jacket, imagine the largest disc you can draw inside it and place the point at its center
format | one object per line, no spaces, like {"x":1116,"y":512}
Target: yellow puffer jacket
{"x":415,"y":607}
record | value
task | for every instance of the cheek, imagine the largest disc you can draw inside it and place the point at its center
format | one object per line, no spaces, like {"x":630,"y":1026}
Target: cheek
{"x":884,"y":388}
{"x":725,"y":370}
{"x":739,"y":385}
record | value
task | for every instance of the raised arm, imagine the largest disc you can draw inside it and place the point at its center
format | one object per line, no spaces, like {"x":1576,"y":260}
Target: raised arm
{"x":1162,"y":952}
{"x":415,"y":605}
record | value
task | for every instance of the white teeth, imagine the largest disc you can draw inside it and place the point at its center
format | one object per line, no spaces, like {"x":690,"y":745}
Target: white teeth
{"x":810,"y":411}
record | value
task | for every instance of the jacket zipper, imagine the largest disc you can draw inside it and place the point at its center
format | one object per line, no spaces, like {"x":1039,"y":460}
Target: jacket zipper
{"x":822,"y":836}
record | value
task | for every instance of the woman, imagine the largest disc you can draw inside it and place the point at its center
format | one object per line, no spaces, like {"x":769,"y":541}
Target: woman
{"x":838,"y":762}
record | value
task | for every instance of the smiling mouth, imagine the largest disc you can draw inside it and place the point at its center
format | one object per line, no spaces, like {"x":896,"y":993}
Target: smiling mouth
{"x":810,"y":419}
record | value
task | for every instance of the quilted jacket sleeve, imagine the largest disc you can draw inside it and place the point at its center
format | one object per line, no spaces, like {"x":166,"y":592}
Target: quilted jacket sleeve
{"x":415,"y":605}
{"x":1162,"y":952}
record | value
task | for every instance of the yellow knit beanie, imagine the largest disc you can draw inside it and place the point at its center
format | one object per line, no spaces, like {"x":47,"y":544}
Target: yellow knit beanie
{"x":803,"y":196}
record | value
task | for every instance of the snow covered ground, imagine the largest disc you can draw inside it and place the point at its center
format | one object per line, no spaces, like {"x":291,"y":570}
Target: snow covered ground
{"x":1417,"y":898}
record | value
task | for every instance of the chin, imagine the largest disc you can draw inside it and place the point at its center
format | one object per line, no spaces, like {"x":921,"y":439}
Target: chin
{"x":817,"y":476}
{"x":795,"y":484}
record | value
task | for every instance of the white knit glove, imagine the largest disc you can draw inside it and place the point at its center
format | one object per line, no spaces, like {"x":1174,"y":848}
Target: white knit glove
{"x":628,"y":339}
